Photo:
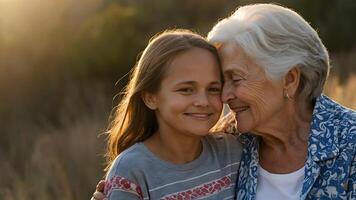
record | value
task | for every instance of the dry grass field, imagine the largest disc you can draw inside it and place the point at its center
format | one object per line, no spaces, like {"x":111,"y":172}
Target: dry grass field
{"x":65,"y":161}
{"x":345,"y":93}
{"x":51,"y":132}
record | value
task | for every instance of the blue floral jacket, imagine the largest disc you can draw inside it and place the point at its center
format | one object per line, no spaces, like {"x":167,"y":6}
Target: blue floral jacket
{"x":330,"y":170}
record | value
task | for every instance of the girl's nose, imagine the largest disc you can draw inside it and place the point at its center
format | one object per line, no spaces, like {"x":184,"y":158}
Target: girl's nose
{"x":201,"y":100}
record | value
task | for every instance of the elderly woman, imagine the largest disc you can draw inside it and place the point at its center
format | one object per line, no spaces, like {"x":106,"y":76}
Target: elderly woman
{"x":298,"y":143}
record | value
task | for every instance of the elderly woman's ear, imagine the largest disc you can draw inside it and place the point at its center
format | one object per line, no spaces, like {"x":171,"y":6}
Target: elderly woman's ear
{"x":291,"y":83}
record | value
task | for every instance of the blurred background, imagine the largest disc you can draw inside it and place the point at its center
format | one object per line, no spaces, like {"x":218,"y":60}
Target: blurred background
{"x":60,"y":66}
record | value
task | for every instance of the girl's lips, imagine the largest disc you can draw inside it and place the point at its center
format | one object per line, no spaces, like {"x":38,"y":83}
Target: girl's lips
{"x":199,"y":115}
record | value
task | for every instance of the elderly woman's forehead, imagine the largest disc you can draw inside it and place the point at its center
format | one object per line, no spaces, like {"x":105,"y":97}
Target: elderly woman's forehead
{"x":227,"y":47}
{"x":234,"y":59}
{"x":233,"y":52}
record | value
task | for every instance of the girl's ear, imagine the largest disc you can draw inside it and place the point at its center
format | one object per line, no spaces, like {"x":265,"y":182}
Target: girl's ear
{"x":291,"y":81}
{"x":150,"y":100}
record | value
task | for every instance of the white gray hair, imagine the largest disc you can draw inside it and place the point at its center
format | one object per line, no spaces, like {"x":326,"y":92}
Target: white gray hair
{"x":277,"y":39}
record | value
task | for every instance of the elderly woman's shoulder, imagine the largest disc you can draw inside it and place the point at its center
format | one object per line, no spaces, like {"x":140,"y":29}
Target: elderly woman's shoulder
{"x":347,"y":117}
{"x":344,"y":120}
{"x":345,"y":112}
{"x":338,"y":121}
{"x":333,"y":110}
{"x":348,"y":123}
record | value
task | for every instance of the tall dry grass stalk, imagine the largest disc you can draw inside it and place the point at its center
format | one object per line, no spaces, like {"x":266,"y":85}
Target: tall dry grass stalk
{"x":57,"y":161}
{"x":343,"y":93}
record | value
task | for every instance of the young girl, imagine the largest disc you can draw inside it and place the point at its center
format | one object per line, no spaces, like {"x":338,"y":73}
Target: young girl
{"x":159,"y":146}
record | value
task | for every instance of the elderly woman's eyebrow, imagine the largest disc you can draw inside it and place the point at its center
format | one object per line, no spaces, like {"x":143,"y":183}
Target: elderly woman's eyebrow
{"x":234,"y":71}
{"x":228,"y":72}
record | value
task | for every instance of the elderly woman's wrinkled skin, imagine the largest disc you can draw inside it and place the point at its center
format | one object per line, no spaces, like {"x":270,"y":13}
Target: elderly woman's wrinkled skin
{"x":259,"y":105}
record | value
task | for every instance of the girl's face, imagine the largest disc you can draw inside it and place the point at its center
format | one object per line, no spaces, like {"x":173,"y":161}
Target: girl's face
{"x":188,"y":101}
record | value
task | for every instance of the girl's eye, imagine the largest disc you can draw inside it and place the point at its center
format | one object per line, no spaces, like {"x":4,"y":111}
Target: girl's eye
{"x":215,"y":89}
{"x":185,"y":90}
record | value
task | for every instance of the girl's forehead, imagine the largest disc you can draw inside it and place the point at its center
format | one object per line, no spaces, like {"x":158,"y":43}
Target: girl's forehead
{"x":196,"y":65}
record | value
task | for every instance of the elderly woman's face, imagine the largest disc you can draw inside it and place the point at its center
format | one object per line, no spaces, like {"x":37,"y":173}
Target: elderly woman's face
{"x":253,"y":97}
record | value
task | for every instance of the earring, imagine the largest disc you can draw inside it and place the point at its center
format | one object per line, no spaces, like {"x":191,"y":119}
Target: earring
{"x":286,"y":95}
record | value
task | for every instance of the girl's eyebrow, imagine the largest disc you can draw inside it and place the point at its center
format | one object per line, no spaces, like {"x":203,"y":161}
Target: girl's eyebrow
{"x":185,"y":83}
{"x":216,"y":82}
{"x":194,"y":82}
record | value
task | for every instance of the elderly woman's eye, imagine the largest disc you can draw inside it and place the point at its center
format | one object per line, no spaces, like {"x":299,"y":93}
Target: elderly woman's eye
{"x":237,"y":80}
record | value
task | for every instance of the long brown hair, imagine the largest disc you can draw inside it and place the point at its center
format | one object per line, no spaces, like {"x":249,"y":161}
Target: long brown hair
{"x":133,"y":121}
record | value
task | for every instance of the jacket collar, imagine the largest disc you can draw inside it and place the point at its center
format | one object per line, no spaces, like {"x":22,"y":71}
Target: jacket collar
{"x":323,"y":138}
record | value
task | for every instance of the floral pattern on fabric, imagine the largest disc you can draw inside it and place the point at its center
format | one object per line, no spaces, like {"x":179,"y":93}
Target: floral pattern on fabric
{"x":330,"y":170}
{"x":123,"y":184}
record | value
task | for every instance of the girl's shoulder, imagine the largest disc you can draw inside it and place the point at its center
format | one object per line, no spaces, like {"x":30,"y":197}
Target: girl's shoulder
{"x":123,"y":179}
{"x":128,"y":161}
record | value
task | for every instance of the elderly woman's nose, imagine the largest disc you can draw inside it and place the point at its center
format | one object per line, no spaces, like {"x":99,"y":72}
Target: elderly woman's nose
{"x":227,"y":93}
